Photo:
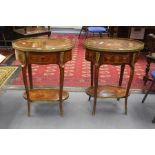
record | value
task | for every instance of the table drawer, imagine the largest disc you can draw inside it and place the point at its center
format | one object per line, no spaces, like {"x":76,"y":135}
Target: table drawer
{"x":43,"y":58}
{"x":119,"y":58}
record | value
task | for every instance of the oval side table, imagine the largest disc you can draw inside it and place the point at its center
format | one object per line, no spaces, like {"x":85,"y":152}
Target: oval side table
{"x":43,"y":51}
{"x":112,"y":51}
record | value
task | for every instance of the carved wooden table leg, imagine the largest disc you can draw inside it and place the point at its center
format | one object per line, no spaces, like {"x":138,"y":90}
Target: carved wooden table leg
{"x":30,"y":75}
{"x":128,"y":86}
{"x":95,"y":87}
{"x":121,"y":76}
{"x":92,"y":76}
{"x":61,"y":66}
{"x":24,"y":67}
{"x":61,"y":89}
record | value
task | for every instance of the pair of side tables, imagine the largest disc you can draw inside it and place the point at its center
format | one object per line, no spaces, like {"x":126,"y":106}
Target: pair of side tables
{"x":99,"y":51}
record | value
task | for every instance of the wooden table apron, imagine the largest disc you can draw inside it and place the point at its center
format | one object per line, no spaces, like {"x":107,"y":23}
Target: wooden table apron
{"x":28,"y":56}
{"x":99,"y":55}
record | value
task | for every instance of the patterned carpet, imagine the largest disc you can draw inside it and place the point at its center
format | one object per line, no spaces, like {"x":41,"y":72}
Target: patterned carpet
{"x":77,"y":71}
{"x":6,"y":73}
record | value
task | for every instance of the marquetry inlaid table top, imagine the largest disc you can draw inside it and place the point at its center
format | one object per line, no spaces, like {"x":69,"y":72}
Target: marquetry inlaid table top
{"x":114,"y":44}
{"x":43,"y":44}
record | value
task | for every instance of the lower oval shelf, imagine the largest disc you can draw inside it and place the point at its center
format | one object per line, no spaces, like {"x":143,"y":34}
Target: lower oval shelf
{"x":46,"y":95}
{"x":107,"y":91}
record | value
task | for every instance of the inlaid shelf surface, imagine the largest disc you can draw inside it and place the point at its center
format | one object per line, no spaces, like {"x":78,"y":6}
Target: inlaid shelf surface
{"x":107,"y":91}
{"x":46,"y":95}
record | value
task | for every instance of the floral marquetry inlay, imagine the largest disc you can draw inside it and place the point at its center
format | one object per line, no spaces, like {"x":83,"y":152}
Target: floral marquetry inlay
{"x":43,"y":44}
{"x":113,"y":45}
